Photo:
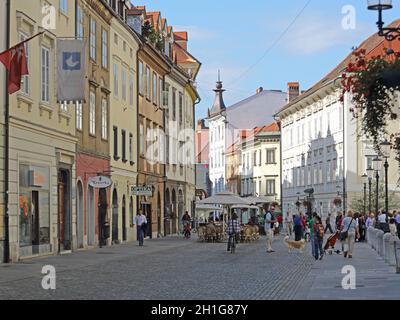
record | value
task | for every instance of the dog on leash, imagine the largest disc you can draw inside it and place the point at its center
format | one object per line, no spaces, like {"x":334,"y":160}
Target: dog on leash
{"x":291,"y":244}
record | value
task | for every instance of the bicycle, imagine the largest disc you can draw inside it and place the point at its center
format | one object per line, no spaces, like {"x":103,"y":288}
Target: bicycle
{"x":232,"y":243}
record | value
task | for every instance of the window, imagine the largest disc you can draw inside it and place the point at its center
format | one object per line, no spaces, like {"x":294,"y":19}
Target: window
{"x":123,"y":73}
{"x":64,"y":106}
{"x":141,"y":133}
{"x":79,"y":23}
{"x":92,"y":38}
{"x":270,"y":187}
{"x":166,"y":96}
{"x":131,"y":93}
{"x":78,"y":115}
{"x":167,"y":148}
{"x":328,"y":172}
{"x":45,"y":74}
{"x":92,"y":113}
{"x":271,"y":156}
{"x":173,"y":104}
{"x":115,"y":135}
{"x":148,"y":83}
{"x":161,"y":86}
{"x":309,"y":181}
{"x":334,"y":170}
{"x":104,"y":49}
{"x":303,"y":133}
{"x":302,"y":181}
{"x":315,"y":174}
{"x":131,"y":53}
{"x":123,"y":135}
{"x":320,"y":176}
{"x":181,"y":109}
{"x":260,"y":159}
{"x":116,"y":85}
{"x":25,"y":79}
{"x":309,"y":131}
{"x":124,"y":46}
{"x":64,"y":6}
{"x":298,"y":135}
{"x":255,"y":158}
{"x":141,"y":77}
{"x":131,"y":148}
{"x":154,"y":88}
{"x":341,"y":168}
{"x":104,"y":119}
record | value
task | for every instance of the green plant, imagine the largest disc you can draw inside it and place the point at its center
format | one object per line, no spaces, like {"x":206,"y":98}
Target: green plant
{"x":373,"y":84}
{"x":154,"y":37}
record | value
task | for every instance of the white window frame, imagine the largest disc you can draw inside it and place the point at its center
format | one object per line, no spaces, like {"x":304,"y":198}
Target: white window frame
{"x":64,"y":6}
{"x":93,"y":39}
{"x":104,"y":119}
{"x":80,"y":23}
{"x":154,"y":87}
{"x":140,"y":77}
{"x":79,"y":115}
{"x":92,"y":113}
{"x":104,"y":49}
{"x":45,"y":74}
{"x":64,"y":106}
{"x":148,"y":83}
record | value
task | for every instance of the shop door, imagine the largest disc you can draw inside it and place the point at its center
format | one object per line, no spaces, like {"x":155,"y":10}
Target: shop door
{"x":35,"y":222}
{"x":147,"y":212}
{"x":115,"y":217}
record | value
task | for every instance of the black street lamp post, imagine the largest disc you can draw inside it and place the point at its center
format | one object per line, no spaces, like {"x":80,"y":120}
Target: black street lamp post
{"x":377,"y":165}
{"x":365,"y":180}
{"x":370,"y":173}
{"x":385,"y":148}
{"x":390,"y":34}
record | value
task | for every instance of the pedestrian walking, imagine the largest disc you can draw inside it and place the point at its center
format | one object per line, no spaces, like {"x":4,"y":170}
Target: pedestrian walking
{"x":392,"y":227}
{"x":288,"y":224}
{"x":297,"y":227}
{"x":311,"y":231}
{"x":362,"y":227}
{"x":319,"y":232}
{"x":141,"y":223}
{"x":397,"y":218}
{"x":270,"y":220}
{"x":349,"y":233}
{"x":328,"y":225}
{"x":280,"y":221}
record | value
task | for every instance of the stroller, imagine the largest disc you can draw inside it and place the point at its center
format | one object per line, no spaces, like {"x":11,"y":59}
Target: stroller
{"x":331,"y":242}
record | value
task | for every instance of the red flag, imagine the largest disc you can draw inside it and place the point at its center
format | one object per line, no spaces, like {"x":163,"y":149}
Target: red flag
{"x":15,"y":62}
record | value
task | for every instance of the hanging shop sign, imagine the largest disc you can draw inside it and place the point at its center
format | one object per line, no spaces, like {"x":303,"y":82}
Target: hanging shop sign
{"x":100,"y":182}
{"x":142,"y":191}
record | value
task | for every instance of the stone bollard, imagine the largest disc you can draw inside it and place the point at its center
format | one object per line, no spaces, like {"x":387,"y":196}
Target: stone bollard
{"x":379,"y":236}
{"x":392,"y":251}
{"x":373,"y":239}
{"x":369,"y":236}
{"x":386,"y":247}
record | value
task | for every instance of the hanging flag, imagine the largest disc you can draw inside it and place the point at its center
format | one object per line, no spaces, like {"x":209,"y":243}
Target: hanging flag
{"x":14,"y":60}
{"x":71,"y":70}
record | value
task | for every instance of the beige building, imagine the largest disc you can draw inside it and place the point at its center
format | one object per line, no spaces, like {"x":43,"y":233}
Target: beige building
{"x":3,"y":46}
{"x":123,"y":121}
{"x":42,"y":139}
{"x":260,"y":169}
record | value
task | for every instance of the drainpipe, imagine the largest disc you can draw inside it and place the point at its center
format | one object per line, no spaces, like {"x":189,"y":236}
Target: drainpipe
{"x":6,"y":257}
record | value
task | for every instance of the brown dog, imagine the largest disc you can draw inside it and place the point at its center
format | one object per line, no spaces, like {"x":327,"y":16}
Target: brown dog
{"x":291,"y":244}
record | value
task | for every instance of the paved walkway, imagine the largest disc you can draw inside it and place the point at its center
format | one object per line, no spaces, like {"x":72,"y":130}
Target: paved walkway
{"x":178,"y":269}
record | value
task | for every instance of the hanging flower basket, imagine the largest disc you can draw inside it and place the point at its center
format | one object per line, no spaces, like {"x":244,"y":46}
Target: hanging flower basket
{"x":337,"y":202}
{"x":373,"y":83}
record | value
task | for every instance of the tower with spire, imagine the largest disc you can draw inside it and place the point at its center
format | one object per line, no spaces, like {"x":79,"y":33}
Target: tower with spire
{"x":217,"y":124}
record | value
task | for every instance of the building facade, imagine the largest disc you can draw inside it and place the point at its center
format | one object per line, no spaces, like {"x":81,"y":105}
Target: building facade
{"x":93,"y":20}
{"x":42,"y":140}
{"x":202,"y":144}
{"x":123,"y":122}
{"x":323,"y":156}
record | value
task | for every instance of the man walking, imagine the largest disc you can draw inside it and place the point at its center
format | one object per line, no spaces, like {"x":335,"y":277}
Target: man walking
{"x":269,"y":227}
{"x":141,"y":222}
{"x":288,"y":224}
{"x":328,"y":225}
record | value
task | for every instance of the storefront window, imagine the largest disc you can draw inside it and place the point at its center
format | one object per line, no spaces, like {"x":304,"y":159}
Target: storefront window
{"x":34,"y":206}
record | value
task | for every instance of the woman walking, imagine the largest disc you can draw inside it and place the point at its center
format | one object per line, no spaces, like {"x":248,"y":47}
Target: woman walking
{"x":349,"y":233}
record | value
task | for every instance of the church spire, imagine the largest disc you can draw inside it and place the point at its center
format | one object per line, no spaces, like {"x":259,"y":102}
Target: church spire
{"x":219,"y":104}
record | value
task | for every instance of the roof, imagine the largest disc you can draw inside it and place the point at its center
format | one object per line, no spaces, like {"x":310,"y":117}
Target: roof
{"x":181,"y":36}
{"x":256,"y":110}
{"x":181,"y":55}
{"x":155,"y":17}
{"x":370,"y":45}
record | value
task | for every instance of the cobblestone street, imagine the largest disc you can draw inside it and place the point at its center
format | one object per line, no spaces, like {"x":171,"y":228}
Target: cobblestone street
{"x":176,"y":269}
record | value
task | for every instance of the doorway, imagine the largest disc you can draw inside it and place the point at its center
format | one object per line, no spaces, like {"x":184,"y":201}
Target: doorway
{"x":35,"y":222}
{"x":103,"y":205}
{"x":147,"y":212}
{"x":115,"y":217}
{"x":64,"y":212}
{"x":91,"y":228}
{"x":80,"y":218}
{"x":123,"y":218}
{"x":159,"y":235}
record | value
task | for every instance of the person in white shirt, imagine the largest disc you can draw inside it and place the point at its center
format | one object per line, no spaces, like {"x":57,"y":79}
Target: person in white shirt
{"x":269,"y":227}
{"x":141,"y":222}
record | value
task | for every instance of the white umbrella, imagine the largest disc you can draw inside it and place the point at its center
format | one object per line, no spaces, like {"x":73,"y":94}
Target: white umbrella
{"x":225,"y":198}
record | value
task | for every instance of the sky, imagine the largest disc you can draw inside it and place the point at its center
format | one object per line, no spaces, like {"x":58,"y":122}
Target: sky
{"x":265,"y":43}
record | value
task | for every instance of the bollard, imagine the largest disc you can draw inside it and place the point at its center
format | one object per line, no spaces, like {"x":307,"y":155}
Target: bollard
{"x":386,"y":247}
{"x":397,"y":255}
{"x":374,"y":239}
{"x":379,"y":237}
{"x":392,"y":251}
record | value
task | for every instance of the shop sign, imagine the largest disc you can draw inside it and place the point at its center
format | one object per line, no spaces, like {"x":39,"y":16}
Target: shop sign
{"x":100,"y":182}
{"x":142,"y":191}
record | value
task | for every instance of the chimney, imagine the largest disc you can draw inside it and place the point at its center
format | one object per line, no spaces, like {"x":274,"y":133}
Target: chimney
{"x":259,"y":90}
{"x":293,"y":91}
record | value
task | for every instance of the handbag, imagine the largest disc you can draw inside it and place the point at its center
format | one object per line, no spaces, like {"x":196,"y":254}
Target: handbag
{"x":344,"y":234}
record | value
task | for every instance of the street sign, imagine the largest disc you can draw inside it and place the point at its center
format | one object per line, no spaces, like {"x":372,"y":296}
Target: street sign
{"x":142,"y":191}
{"x":100,"y":182}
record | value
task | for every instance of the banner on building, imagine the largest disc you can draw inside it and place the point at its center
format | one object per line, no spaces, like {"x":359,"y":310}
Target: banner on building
{"x":71,"y":70}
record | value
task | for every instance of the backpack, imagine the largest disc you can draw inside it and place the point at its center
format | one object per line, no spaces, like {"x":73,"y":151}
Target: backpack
{"x":320,"y":231}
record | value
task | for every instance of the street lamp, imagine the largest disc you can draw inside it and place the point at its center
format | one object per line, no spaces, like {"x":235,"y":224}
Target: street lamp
{"x":390,"y":34}
{"x":385,"y":149}
{"x":370,"y":173}
{"x":377,"y":165}
{"x":365,"y":180}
